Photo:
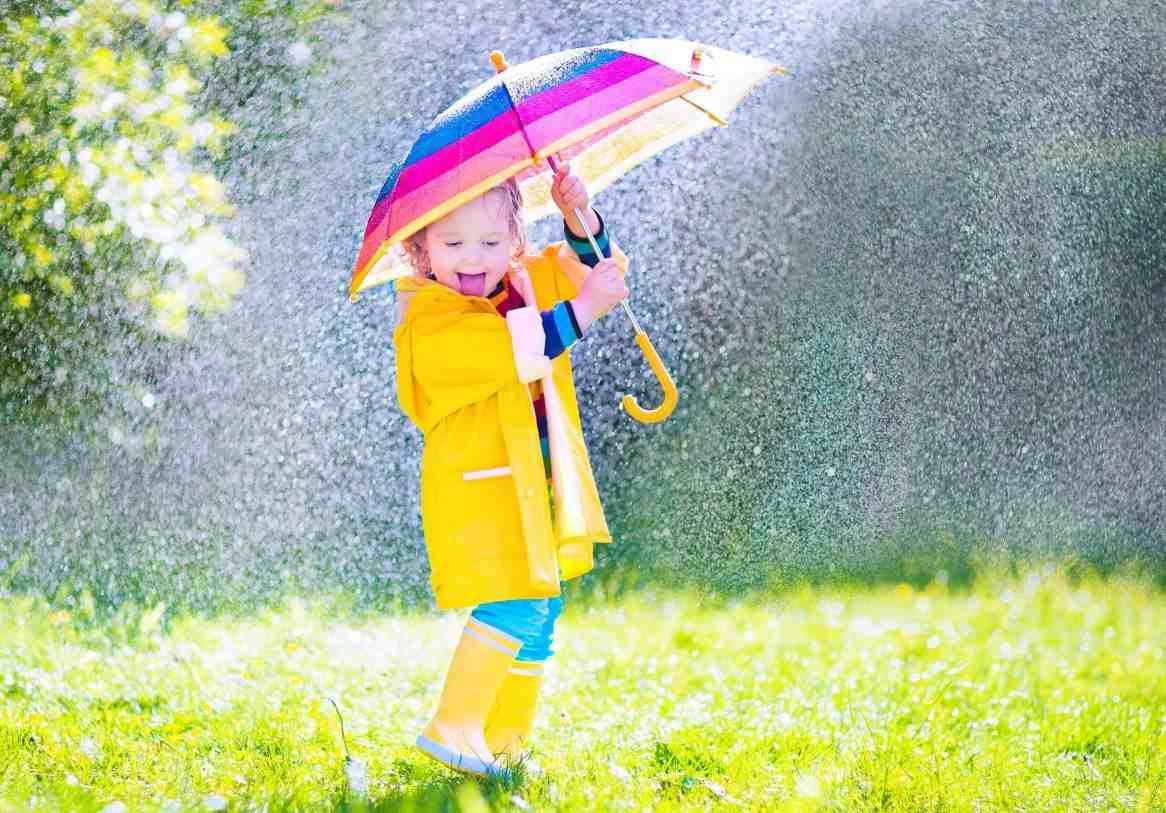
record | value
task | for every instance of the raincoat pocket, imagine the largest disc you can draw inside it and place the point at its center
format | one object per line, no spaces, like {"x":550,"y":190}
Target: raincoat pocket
{"x":480,"y":518}
{"x":485,"y":474}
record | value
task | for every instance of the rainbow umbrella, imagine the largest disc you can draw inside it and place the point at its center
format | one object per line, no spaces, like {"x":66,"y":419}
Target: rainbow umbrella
{"x":605,"y":109}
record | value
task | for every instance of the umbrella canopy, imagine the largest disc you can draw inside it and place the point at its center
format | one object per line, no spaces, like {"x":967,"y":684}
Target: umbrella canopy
{"x":605,"y":109}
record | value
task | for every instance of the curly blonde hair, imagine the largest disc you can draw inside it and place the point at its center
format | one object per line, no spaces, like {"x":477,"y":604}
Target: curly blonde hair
{"x":414,"y":245}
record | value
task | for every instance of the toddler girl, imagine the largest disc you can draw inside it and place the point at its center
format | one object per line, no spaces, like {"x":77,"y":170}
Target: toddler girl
{"x":483,"y":370}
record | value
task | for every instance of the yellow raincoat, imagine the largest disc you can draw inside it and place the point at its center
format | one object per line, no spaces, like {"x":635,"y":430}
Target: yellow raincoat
{"x":484,"y":506}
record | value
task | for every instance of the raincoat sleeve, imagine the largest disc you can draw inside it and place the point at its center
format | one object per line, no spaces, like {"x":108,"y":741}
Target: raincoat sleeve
{"x":582,"y":246}
{"x":446,"y":361}
{"x":561,"y":329}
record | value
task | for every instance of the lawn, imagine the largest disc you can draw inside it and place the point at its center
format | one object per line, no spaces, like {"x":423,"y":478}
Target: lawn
{"x":1037,"y":689}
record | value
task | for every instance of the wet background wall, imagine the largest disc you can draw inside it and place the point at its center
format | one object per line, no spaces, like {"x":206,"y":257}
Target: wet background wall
{"x":913,"y":298}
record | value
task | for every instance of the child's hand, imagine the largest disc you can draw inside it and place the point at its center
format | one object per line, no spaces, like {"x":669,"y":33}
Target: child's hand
{"x":570,"y":195}
{"x":602,"y":290}
{"x":568,"y":191}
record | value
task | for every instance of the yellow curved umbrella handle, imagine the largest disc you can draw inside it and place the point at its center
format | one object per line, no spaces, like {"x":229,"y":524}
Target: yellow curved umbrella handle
{"x":671,"y":396}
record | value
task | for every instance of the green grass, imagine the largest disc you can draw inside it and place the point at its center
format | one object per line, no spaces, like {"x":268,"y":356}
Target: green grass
{"x":1041,"y":691}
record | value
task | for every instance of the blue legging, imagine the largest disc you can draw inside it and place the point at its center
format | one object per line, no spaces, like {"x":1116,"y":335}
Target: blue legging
{"x":530,"y":620}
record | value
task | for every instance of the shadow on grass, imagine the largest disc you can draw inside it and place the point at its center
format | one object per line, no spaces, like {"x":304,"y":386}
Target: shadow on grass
{"x":413,"y":787}
{"x":452,"y":795}
{"x":444,"y":792}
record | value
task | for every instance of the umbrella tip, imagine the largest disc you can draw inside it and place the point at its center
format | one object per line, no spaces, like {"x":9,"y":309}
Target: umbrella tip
{"x":499,"y":61}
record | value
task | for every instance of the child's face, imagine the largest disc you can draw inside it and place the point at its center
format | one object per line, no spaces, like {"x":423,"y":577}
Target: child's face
{"x":469,"y":249}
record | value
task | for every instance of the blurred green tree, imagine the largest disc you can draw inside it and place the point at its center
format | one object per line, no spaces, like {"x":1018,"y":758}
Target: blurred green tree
{"x":112,"y":213}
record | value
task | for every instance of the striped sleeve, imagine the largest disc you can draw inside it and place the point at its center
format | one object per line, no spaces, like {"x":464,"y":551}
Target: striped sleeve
{"x":561,"y":329}
{"x":582,"y":247}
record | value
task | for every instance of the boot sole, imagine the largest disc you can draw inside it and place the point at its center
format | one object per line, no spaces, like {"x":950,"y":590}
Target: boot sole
{"x":457,"y":761}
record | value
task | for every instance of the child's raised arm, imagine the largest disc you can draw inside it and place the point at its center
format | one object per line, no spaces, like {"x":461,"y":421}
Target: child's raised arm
{"x":604,"y":287}
{"x":570,"y":194}
{"x":602,"y":290}
{"x":582,"y":246}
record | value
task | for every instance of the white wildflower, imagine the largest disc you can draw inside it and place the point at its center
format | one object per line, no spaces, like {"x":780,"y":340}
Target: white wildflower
{"x":808,"y":786}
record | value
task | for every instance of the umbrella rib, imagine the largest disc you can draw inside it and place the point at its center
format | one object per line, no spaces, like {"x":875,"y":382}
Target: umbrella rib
{"x":706,"y":111}
{"x":518,"y":117}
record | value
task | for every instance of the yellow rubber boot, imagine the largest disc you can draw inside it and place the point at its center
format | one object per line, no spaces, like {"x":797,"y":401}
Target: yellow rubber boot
{"x":510,"y":721}
{"x":454,"y":737}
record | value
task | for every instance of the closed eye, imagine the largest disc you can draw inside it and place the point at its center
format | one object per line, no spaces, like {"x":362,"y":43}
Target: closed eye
{"x":454,"y":244}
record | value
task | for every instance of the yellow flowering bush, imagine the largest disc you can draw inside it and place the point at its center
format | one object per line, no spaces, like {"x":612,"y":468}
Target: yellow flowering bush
{"x":109,"y":204}
{"x":102,"y":143}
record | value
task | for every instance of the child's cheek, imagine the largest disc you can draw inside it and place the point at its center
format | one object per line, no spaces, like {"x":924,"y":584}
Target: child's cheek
{"x":441,"y":259}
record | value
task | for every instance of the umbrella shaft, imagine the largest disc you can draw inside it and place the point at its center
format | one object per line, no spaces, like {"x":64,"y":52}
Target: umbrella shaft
{"x":595,"y":247}
{"x":631,"y":317}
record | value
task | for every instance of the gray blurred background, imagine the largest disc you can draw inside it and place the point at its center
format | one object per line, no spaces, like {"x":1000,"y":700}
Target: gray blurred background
{"x":913,"y":298}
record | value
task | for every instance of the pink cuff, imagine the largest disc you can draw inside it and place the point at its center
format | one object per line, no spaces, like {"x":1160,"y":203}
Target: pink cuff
{"x":528,"y":340}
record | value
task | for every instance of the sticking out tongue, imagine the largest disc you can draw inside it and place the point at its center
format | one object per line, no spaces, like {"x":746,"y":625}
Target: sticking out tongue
{"x":473,"y":284}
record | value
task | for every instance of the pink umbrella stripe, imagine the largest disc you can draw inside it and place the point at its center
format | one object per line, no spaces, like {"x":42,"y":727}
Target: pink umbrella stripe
{"x":461,"y":151}
{"x":453,"y":183}
{"x":584,"y":86}
{"x":474,"y":158}
{"x":611,"y":100}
